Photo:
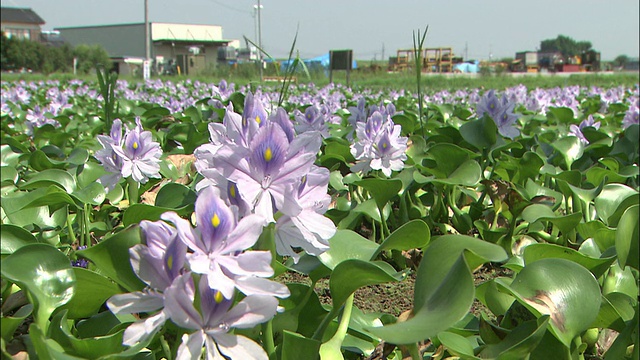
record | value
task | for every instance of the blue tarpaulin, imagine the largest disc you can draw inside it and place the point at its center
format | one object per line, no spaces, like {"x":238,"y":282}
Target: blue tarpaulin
{"x":467,"y":67}
{"x":319,"y":62}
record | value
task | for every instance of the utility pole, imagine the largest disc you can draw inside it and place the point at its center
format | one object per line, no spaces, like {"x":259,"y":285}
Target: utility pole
{"x":147,"y":43}
{"x":466,"y":51}
{"x":260,"y":38}
{"x":383,"y":52}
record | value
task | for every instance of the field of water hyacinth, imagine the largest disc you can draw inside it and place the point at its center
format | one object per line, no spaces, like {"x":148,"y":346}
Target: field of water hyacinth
{"x":157,"y":220}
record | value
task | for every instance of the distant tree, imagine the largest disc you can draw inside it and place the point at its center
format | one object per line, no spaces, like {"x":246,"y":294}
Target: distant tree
{"x":620,"y":60}
{"x":90,"y":56}
{"x":565,"y":45}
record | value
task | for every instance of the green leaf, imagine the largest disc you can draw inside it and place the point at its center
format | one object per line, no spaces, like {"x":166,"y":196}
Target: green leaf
{"x":175,"y":196}
{"x":448,"y":158}
{"x":54,"y":197}
{"x":614,"y":200}
{"x":296,"y":346}
{"x":570,"y":148}
{"x":540,"y":212}
{"x":615,"y":310}
{"x":92,"y":290}
{"x":48,"y":177}
{"x":467,"y":174}
{"x":597,"y":266}
{"x":382,"y":190}
{"x":411,"y":235}
{"x":39,"y":161}
{"x":350,"y":275}
{"x":457,"y":345}
{"x":345,"y":245}
{"x":8,"y":174}
{"x":520,"y":342}
{"x":138,"y":212}
{"x":13,"y":237}
{"x":45,"y":273}
{"x":93,"y":194}
{"x":111,"y":257}
{"x":481,"y":133}
{"x":448,"y":302}
{"x":497,"y":301}
{"x":90,"y":348}
{"x":562,"y":289}
{"x":9,"y":324}
{"x":627,"y":239}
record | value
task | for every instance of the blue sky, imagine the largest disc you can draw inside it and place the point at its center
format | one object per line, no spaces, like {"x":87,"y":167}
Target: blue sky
{"x":373,"y":28}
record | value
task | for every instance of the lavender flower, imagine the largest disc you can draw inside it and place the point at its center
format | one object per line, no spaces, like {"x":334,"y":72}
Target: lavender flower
{"x":217,"y":319}
{"x":111,"y":162}
{"x":631,"y":116}
{"x":140,"y":155}
{"x":158,"y":264}
{"x":577,"y":130}
{"x":379,"y":146}
{"x":217,"y":243}
{"x":501,"y":111}
{"x":303,"y":225}
{"x":312,"y":120}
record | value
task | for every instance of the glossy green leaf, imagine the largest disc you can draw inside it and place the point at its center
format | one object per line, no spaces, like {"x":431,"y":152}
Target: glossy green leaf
{"x":614,"y":199}
{"x":520,"y":342}
{"x":615,"y":310}
{"x":414,"y":234}
{"x":175,"y":196}
{"x":111,"y":258}
{"x":448,"y":302}
{"x":39,"y":161}
{"x":8,"y":174}
{"x":138,"y":212}
{"x":489,"y":295}
{"x":627,"y":238}
{"x":296,"y":346}
{"x":382,"y":190}
{"x":481,"y":133}
{"x":345,"y":245}
{"x":457,"y":345}
{"x":48,"y":348}
{"x":54,"y":197}
{"x":48,"y":177}
{"x":448,"y":158}
{"x":90,"y":348}
{"x":91,"y":291}
{"x":45,"y":273}
{"x":13,"y":237}
{"x":597,"y":266}
{"x":540,"y":212}
{"x":620,"y":280}
{"x":350,"y":275}
{"x":9,"y":324}
{"x":570,"y":148}
{"x":93,"y":194}
{"x":562,"y":289}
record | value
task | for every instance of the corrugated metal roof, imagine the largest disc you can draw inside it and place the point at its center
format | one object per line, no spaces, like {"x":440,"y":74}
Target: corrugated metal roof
{"x":20,"y":15}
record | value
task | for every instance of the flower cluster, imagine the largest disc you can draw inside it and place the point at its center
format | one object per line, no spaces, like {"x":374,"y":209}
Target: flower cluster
{"x":135,"y":155}
{"x":259,"y":163}
{"x":210,"y":260}
{"x":576,"y":130}
{"x":379,"y":146}
{"x":500,"y":110}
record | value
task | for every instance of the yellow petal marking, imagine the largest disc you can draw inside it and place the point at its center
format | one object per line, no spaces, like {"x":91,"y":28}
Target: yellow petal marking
{"x":135,"y":145}
{"x":268,"y":155}
{"x":232,"y":191}
{"x":258,"y":119}
{"x":215,"y":220}
{"x":218,"y":297}
{"x":170,"y":262}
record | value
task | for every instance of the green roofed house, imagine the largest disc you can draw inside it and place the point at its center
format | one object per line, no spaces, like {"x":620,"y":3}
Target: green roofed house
{"x":20,"y":23}
{"x":185,"y":48}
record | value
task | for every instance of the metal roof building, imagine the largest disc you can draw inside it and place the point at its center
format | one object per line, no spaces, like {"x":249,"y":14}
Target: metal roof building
{"x":191,"y":47}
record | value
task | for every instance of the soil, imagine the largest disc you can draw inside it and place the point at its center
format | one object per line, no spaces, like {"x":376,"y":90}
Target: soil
{"x":394,"y":298}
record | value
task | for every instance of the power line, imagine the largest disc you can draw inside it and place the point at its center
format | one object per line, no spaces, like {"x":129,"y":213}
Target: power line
{"x":231,"y":7}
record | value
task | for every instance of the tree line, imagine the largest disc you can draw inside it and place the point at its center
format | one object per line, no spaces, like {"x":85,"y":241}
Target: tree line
{"x":18,"y":54}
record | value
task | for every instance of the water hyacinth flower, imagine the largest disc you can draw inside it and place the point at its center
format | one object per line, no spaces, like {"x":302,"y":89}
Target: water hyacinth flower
{"x":302,"y":225}
{"x":501,"y":111}
{"x":111,"y":162}
{"x":215,"y":320}
{"x":631,"y":116}
{"x":313,"y":119}
{"x":158,"y":264}
{"x":140,"y":154}
{"x":218,"y":242}
{"x":379,"y":146}
{"x":577,"y":130}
